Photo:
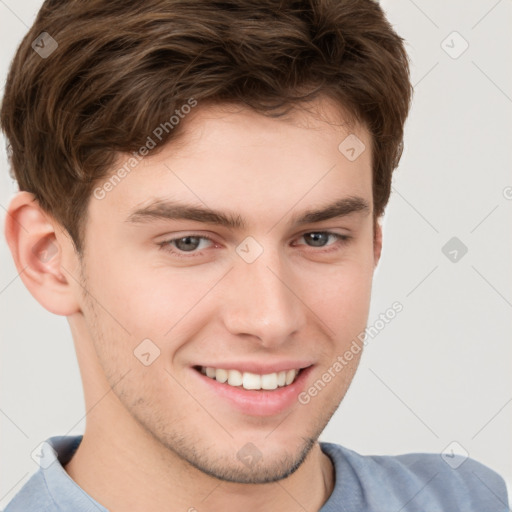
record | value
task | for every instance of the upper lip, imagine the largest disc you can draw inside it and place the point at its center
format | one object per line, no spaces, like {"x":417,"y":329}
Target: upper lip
{"x":259,"y":368}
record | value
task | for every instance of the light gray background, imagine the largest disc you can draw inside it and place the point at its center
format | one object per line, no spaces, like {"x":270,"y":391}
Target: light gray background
{"x":441,"y":370}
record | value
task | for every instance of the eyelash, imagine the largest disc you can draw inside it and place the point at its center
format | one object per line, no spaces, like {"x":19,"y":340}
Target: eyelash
{"x":166,"y":244}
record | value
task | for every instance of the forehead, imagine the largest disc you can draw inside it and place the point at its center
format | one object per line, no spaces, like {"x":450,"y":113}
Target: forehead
{"x":232,"y":156}
{"x":303,"y":125}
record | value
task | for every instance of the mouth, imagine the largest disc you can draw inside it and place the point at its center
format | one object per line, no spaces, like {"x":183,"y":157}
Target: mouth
{"x":247,"y":392}
{"x":249,"y":380}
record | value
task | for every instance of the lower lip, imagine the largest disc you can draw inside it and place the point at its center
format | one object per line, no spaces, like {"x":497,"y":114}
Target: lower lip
{"x":259,"y":403}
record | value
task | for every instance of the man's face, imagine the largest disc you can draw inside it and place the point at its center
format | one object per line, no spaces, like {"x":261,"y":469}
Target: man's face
{"x":270,"y":292}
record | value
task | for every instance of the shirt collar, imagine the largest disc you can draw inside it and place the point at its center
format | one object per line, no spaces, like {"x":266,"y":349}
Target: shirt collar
{"x":56,"y":452}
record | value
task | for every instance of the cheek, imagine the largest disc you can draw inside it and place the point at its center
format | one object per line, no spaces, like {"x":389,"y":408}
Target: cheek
{"x":341,"y":296}
{"x":144,"y":299}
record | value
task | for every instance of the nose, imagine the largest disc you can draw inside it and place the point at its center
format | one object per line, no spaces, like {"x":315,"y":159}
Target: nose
{"x":261,"y":300}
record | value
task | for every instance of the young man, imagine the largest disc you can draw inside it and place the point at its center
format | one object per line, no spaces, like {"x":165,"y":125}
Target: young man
{"x":201,"y":188}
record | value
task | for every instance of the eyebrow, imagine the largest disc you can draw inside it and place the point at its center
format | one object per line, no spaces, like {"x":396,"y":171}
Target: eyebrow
{"x":177,"y":210}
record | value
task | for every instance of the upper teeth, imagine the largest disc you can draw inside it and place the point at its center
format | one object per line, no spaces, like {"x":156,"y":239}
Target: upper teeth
{"x":251,"y":380}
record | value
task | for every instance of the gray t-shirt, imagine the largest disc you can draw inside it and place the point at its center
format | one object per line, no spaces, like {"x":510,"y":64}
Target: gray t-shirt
{"x":415,"y":482}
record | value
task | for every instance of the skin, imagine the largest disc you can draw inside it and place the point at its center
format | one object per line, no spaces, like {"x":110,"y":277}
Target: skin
{"x":156,"y":439}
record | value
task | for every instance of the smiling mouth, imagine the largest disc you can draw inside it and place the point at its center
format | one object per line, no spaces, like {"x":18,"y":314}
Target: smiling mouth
{"x":251,"y":381}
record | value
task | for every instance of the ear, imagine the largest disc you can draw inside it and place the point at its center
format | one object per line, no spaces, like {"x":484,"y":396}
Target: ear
{"x":39,"y":249}
{"x":377,"y":241}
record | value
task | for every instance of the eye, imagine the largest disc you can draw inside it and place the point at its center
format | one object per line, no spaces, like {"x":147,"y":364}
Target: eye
{"x":184,"y":244}
{"x":320,"y":239}
{"x":192,"y":243}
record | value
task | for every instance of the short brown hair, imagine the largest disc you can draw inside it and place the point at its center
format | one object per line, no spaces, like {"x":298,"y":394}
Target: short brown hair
{"x":121,"y":67}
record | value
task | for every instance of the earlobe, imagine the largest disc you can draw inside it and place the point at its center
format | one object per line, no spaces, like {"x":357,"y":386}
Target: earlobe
{"x":38,"y":255}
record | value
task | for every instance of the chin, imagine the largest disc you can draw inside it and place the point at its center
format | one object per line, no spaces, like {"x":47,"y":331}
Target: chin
{"x":255,"y":466}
